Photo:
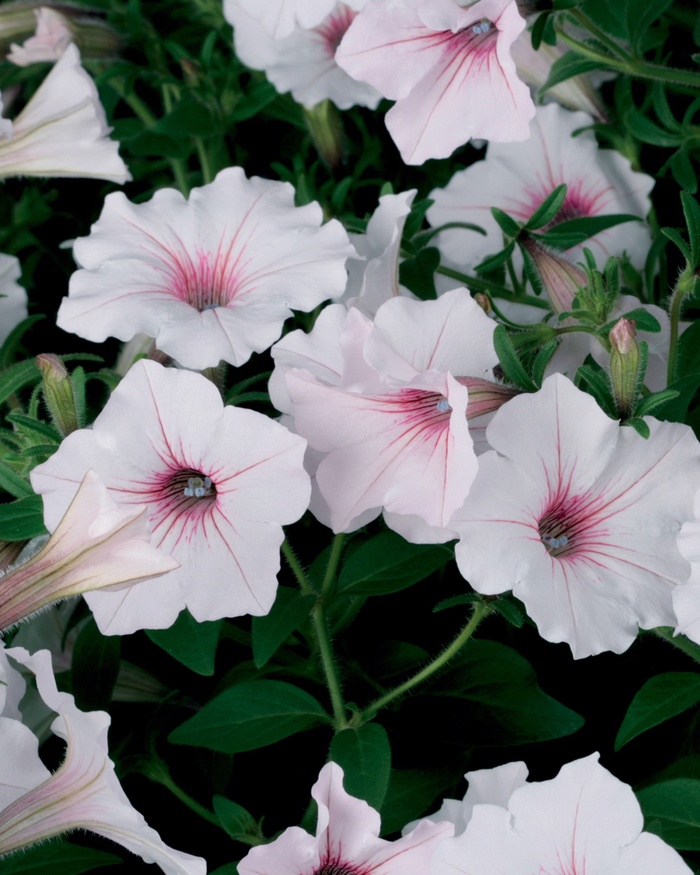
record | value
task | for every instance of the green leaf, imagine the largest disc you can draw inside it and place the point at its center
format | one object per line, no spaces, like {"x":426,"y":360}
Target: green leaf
{"x":672,"y":811}
{"x":57,"y":857}
{"x":657,"y":399}
{"x":189,"y":118}
{"x":643,"y":321}
{"x":648,"y":131}
{"x":573,"y":232}
{"x":691,"y":211}
{"x":12,"y":341}
{"x":387,"y":563}
{"x":410,"y":795}
{"x":548,"y":209}
{"x":493,"y":699}
{"x":251,"y":715}
{"x":641,"y":14}
{"x":609,"y":16}
{"x":22,"y":519}
{"x":510,"y":362}
{"x":495,"y":261}
{"x":364,"y":754}
{"x":13,"y":482}
{"x":639,"y":425}
{"x":235,"y":819}
{"x":18,"y":376}
{"x":683,"y":169}
{"x":676,"y":238}
{"x":191,"y":643}
{"x":418,"y":273}
{"x":661,"y":698}
{"x":94,"y":668}
{"x":271,"y":631}
{"x":569,"y":65}
{"x":509,"y":226}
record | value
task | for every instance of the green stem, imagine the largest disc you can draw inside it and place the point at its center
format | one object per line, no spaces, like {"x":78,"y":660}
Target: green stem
{"x":481,"y":610}
{"x":634,"y":66}
{"x":318,"y":615}
{"x":297,"y":570}
{"x":333,"y":560}
{"x":204,"y":163}
{"x":680,"y":641}
{"x":481,"y":285}
{"x":156,"y":771}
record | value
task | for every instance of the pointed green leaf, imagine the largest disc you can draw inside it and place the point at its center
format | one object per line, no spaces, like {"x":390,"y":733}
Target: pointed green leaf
{"x":510,"y":362}
{"x":495,"y":261}
{"x":387,"y":563}
{"x":569,"y":65}
{"x":94,"y":667}
{"x":251,"y":715}
{"x":191,"y":643}
{"x":411,"y":793}
{"x":691,"y":211}
{"x":573,"y":232}
{"x":509,"y":226}
{"x":235,"y":819}
{"x":661,"y":698}
{"x":22,"y":519}
{"x":548,"y":209}
{"x":364,"y":755}
{"x":672,"y":811}
{"x":13,"y":482}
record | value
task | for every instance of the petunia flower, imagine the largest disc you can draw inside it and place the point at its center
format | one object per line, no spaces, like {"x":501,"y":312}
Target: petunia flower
{"x":219,"y":483}
{"x":447,"y":66}
{"x":52,"y":37}
{"x":583,"y":821}
{"x":392,"y":427}
{"x":517,"y":178}
{"x":83,"y":793}
{"x":346,"y":842}
{"x":96,"y":544}
{"x":303,"y":62}
{"x":211,"y":278}
{"x":578,"y":516}
{"x":62,"y":131}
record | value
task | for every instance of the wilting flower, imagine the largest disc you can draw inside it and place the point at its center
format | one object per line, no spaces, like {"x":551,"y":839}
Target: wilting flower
{"x":219,"y":483}
{"x":211,"y":278}
{"x":393,"y":429}
{"x":346,"y":841}
{"x":304,"y":61}
{"x":84,"y":792}
{"x":13,"y":298}
{"x":583,"y":821}
{"x":517,"y":178}
{"x":62,"y":131}
{"x":95,"y":544}
{"x":579,"y":517}
{"x":448,"y":67}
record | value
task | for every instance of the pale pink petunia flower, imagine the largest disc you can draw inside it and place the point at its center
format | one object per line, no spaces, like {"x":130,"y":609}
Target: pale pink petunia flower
{"x":517,"y":178}
{"x":280,"y":17}
{"x":84,"y":792}
{"x":219,"y":483}
{"x":303,"y":62}
{"x":62,"y":131}
{"x":447,"y":66}
{"x":583,"y":822}
{"x":579,"y":517}
{"x":346,"y":842}
{"x":393,"y":427}
{"x":686,"y":599}
{"x":210,"y":278}
{"x":49,"y":42}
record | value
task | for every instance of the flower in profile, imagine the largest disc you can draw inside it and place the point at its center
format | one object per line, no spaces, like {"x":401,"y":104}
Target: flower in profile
{"x":211,"y":278}
{"x":303,"y":62}
{"x":447,"y":66}
{"x":583,"y":821}
{"x":13,"y":298}
{"x":517,"y":178}
{"x":96,"y":544}
{"x":392,"y":427}
{"x":62,"y":131}
{"x":219,"y":483}
{"x":346,"y":842}
{"x":84,"y":792}
{"x":579,"y":517}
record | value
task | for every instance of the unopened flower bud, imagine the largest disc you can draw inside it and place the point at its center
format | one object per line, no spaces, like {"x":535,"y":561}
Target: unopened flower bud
{"x":485,"y":396}
{"x":624,"y":365}
{"x":561,"y":279}
{"x":323,"y":122}
{"x":484,"y":302}
{"x":58,"y":393}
